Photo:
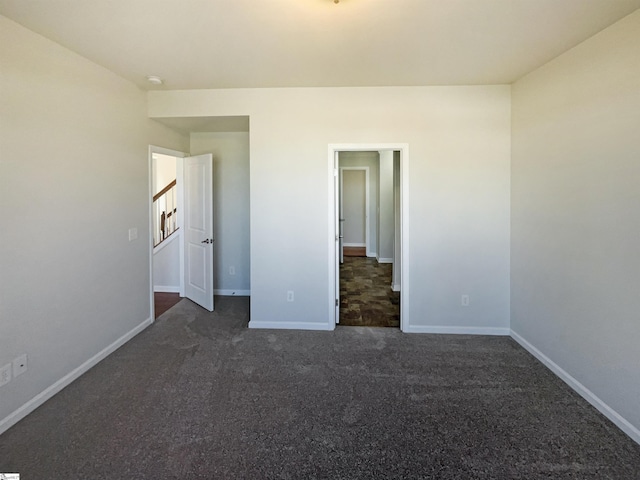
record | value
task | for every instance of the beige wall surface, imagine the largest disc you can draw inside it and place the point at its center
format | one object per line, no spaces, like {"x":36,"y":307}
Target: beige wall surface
{"x":354,"y":207}
{"x":230,"y":205}
{"x":459,"y":164}
{"x":576,"y":217}
{"x":74,"y":179}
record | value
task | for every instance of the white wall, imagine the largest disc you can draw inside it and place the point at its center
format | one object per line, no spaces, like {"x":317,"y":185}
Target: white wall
{"x":166,"y":265}
{"x":164,"y":171}
{"x":385,"y":208}
{"x":372,"y":161}
{"x":459,"y":144}
{"x":231,"y":207}
{"x":576,"y":217}
{"x":354,"y":207}
{"x":73,"y":179}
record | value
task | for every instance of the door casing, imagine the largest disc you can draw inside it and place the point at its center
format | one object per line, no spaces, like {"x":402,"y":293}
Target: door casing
{"x":334,"y":271}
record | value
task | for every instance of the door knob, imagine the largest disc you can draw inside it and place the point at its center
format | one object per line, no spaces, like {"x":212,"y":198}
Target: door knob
{"x":207,"y":240}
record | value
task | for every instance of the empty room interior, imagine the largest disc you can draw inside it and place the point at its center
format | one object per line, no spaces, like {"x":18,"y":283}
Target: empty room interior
{"x":201,"y":149}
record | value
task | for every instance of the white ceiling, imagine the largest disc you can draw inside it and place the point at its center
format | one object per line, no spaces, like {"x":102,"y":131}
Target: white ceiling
{"x":303,"y":43}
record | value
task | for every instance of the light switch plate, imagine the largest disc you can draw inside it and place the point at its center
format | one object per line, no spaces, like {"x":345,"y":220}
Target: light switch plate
{"x":5,"y":374}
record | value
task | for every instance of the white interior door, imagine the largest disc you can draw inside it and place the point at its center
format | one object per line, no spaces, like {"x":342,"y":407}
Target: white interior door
{"x":198,"y":229}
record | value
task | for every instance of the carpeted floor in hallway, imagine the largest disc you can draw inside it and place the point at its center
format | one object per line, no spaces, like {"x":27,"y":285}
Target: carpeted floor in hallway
{"x":366,"y":298}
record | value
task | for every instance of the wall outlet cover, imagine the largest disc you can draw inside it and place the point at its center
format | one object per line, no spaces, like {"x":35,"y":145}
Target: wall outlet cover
{"x":5,"y":374}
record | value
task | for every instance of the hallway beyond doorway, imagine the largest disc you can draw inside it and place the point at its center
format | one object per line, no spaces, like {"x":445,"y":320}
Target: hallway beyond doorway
{"x":366,"y":298}
{"x":354,"y":251}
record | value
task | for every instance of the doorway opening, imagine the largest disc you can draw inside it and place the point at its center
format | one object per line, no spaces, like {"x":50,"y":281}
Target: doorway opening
{"x":369,"y":241}
{"x":165,"y":212}
{"x":181,"y":228}
{"x":355,"y":205}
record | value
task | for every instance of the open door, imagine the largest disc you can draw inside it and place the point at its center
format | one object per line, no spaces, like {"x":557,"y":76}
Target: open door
{"x":198,"y":229}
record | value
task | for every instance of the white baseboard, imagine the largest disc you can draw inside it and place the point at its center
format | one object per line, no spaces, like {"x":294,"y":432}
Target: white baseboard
{"x":166,"y":289}
{"x":395,"y":287}
{"x":291,"y":325}
{"x":457,"y":330}
{"x":385,"y":260}
{"x":580,"y":389}
{"x":49,"y":392}
{"x":232,"y":293}
{"x":354,"y":244}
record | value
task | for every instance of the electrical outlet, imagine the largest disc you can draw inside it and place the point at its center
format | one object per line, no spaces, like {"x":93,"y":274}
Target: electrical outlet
{"x":133,"y":233}
{"x":5,"y":374}
{"x":464,"y":300}
{"x":19,"y":365}
{"x":232,"y":270}
{"x":290,"y":296}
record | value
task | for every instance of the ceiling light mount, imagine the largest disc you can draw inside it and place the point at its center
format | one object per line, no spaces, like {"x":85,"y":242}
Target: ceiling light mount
{"x":154,"y":80}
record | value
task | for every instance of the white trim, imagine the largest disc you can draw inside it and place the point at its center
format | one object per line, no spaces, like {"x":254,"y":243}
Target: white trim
{"x":49,"y":392}
{"x":335,"y":252}
{"x":446,"y":330}
{"x":354,"y":244}
{"x":622,"y":423}
{"x":385,"y":260}
{"x":166,"y":288}
{"x":404,"y":237}
{"x":292,"y":325}
{"x":180,"y":195}
{"x":232,"y":293}
{"x":166,"y":151}
{"x":403,"y":148}
{"x":395,"y":288}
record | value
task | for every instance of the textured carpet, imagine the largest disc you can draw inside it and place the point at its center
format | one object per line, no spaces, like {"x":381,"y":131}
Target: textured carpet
{"x":197,"y":395}
{"x":366,"y":298}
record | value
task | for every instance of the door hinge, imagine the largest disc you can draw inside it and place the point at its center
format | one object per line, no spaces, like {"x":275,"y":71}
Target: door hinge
{"x":337,"y":302}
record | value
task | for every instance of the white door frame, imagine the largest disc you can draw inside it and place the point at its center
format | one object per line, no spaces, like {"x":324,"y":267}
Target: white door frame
{"x":367,"y":205}
{"x":179,"y":156}
{"x":403,"y":148}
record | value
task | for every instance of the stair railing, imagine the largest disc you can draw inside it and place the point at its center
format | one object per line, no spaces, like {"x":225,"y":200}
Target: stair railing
{"x":165,"y":213}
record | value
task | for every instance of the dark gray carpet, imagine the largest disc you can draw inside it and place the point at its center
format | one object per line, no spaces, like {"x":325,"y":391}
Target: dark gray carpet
{"x":197,"y":395}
